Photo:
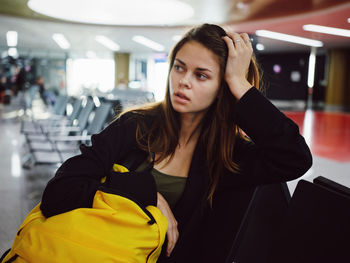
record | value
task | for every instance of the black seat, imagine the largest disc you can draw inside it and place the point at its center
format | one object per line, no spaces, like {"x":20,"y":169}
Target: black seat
{"x":267,"y":208}
{"x":317,"y":226}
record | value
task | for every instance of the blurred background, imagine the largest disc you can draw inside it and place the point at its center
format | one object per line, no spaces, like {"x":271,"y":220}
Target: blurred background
{"x":80,"y":62}
{"x":76,"y":45}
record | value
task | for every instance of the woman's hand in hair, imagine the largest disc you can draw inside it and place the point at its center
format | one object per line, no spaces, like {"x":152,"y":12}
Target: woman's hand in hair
{"x":172,"y":232}
{"x":240,"y":52}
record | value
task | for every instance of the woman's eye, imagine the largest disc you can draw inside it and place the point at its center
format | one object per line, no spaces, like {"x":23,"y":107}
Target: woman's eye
{"x":201,"y":76}
{"x":177,"y":67}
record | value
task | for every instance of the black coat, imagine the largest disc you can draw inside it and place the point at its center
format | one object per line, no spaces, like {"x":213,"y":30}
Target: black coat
{"x":276,"y":153}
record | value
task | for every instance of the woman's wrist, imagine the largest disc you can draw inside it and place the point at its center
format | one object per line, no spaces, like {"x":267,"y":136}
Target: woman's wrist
{"x":239,"y":87}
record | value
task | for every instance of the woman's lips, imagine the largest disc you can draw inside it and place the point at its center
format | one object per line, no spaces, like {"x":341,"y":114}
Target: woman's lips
{"x":181,"y":96}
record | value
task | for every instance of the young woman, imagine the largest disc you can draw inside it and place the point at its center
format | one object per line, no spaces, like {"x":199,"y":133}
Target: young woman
{"x":214,"y":138}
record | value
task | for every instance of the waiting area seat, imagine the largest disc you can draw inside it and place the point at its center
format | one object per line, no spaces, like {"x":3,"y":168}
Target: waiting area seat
{"x":76,"y":125}
{"x":57,"y":112}
{"x":265,"y":212}
{"x":58,"y":148}
{"x":55,"y":139}
{"x":312,"y":227}
{"x":129,"y":97}
{"x":316,"y":228}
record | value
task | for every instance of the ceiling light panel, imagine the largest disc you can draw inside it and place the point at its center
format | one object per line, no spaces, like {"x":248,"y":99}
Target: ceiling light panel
{"x":148,"y":43}
{"x":327,"y":30}
{"x":289,"y":38}
{"x":11,"y":38}
{"x":61,"y":41}
{"x":108,"y":43}
{"x":115,"y":12}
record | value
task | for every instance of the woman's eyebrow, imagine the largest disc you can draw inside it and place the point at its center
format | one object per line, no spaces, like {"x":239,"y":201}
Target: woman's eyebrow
{"x":200,"y":69}
{"x":180,"y":61}
{"x":203,"y":69}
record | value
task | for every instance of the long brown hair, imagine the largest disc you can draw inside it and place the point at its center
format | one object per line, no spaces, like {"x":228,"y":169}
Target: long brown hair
{"x":218,"y":129}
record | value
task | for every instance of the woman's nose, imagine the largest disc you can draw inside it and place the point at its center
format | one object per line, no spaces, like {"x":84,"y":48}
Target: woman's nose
{"x":185,"y":82}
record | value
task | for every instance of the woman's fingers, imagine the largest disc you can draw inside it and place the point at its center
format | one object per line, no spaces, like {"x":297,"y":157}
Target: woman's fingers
{"x":239,"y":56}
{"x":173,"y":236}
{"x":246,"y":39}
{"x":239,"y":45}
{"x":229,"y":43}
{"x":239,"y":40}
{"x":172,"y":231}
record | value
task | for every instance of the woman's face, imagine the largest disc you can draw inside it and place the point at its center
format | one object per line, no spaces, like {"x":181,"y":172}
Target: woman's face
{"x":194,"y":79}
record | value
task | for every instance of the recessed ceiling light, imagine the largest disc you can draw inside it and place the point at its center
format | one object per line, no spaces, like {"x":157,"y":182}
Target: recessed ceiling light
{"x":148,"y":43}
{"x":260,"y":46}
{"x":11,"y":38}
{"x":115,"y":12}
{"x":327,"y":30}
{"x":289,"y":38}
{"x":108,"y":43}
{"x":61,"y":41}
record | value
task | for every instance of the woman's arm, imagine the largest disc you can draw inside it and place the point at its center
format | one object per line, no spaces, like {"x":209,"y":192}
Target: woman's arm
{"x":172,"y":231}
{"x":77,"y":180}
{"x":276,"y":152}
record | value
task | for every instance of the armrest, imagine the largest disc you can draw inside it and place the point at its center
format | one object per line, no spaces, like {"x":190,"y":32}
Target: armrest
{"x":63,"y":129}
{"x":70,"y":138}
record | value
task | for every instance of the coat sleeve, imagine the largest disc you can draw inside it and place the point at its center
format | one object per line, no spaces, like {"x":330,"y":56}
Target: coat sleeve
{"x":276,"y":152}
{"x":77,"y":180}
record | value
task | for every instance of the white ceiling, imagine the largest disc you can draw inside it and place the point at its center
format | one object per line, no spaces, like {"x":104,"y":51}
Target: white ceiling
{"x":35,"y":35}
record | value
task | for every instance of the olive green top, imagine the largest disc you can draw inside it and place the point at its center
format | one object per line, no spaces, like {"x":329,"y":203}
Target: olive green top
{"x":169,"y":186}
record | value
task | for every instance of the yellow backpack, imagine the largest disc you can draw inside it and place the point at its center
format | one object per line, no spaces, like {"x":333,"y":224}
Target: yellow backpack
{"x":115,"y":229}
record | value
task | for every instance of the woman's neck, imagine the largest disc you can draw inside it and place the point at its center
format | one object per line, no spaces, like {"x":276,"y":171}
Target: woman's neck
{"x":190,"y":128}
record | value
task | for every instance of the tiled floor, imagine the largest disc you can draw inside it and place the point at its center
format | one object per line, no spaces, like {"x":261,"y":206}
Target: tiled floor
{"x":20,"y":189}
{"x":328,"y":135}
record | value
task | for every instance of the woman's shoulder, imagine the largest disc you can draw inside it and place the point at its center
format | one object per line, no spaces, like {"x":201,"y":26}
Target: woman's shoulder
{"x":133,"y":119}
{"x":129,"y":116}
{"x":136,"y":116}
